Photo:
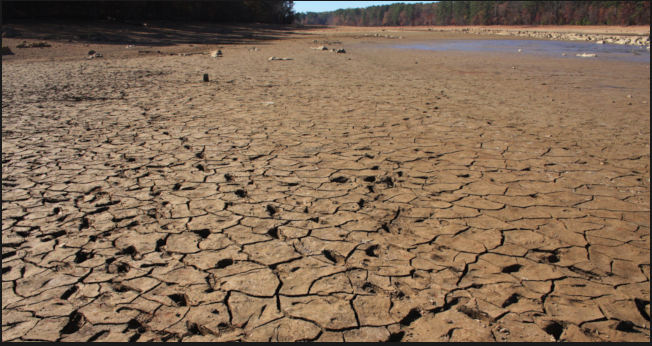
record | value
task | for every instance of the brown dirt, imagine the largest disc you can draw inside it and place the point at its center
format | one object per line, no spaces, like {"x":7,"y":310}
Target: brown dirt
{"x":376,"y":195}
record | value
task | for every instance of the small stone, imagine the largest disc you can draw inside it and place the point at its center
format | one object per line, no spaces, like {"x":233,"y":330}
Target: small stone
{"x":91,"y":52}
{"x":6,"y":50}
{"x":205,"y":77}
{"x":216,"y":54}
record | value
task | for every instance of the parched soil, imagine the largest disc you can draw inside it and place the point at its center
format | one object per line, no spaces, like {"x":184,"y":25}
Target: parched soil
{"x":377,"y":195}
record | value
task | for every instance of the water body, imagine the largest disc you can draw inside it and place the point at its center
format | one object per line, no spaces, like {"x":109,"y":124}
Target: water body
{"x":540,"y":47}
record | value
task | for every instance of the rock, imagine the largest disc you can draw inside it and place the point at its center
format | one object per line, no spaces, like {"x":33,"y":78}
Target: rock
{"x":40,"y":45}
{"x":205,"y":77}
{"x":9,"y":32}
{"x":91,"y":52}
{"x":585,"y":55}
{"x":6,"y":51}
{"x":98,"y":55}
{"x":340,"y":51}
{"x":216,"y":54}
{"x":600,"y":42}
{"x":319,"y":48}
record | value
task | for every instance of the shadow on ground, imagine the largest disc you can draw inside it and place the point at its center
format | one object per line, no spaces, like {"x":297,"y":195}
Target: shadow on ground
{"x":154,"y":33}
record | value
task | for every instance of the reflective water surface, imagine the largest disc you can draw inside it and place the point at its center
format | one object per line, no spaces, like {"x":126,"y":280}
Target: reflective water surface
{"x":540,"y":47}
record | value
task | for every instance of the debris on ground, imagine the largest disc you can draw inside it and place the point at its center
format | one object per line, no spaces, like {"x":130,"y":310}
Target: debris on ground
{"x":216,"y":54}
{"x":6,"y":51}
{"x":33,"y":45}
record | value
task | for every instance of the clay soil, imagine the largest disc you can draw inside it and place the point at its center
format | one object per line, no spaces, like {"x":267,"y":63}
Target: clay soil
{"x":376,"y":195}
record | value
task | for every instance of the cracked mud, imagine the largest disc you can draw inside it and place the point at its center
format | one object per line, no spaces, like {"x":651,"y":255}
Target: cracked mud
{"x":374,"y":200}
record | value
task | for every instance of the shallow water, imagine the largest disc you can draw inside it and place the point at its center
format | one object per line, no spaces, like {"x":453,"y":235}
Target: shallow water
{"x":540,"y":47}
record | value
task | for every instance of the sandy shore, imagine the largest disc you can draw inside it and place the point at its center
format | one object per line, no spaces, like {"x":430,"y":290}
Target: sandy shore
{"x":380,"y":194}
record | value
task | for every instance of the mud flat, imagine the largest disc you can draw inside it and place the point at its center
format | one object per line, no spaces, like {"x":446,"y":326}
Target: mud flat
{"x":380,"y":194}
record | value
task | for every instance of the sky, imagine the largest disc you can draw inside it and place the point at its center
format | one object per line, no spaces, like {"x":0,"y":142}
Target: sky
{"x":323,"y":6}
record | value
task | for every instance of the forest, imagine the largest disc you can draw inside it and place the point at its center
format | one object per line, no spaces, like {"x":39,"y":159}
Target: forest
{"x":488,"y":13}
{"x":266,"y":11}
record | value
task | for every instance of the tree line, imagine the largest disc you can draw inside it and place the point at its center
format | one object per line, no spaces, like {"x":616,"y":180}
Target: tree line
{"x":487,"y":13}
{"x":266,"y":11}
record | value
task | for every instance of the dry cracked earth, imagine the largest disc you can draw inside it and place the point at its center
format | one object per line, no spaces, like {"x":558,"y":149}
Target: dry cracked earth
{"x":334,"y":197}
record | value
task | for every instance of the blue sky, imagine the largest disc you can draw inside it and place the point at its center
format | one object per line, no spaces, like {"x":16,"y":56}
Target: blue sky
{"x":323,"y":6}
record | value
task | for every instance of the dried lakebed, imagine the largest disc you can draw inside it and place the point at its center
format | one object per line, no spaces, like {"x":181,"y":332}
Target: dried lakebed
{"x":325,"y":199}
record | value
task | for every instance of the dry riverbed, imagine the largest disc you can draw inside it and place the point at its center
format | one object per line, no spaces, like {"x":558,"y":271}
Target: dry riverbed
{"x":380,"y":194}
